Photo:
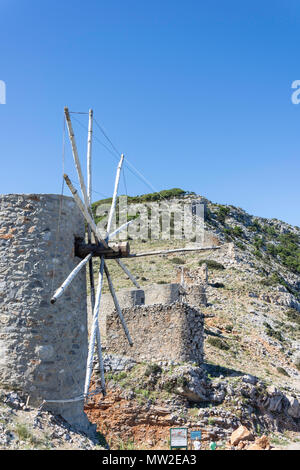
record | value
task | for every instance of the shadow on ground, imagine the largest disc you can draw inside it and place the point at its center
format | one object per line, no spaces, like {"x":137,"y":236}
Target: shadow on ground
{"x":216,"y":371}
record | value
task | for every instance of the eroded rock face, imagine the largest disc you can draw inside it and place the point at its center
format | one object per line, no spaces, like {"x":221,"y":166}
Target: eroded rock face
{"x":276,"y":399}
{"x":285,"y":299}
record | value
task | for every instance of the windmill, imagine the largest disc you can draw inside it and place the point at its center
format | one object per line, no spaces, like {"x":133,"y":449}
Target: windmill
{"x":103,"y":248}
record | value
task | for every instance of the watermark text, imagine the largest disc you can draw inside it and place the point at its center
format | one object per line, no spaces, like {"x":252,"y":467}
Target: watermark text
{"x":2,"y":92}
{"x":164,"y":220}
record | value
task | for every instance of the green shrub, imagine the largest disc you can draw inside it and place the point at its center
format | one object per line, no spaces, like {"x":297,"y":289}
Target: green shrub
{"x":271,"y":249}
{"x":229,"y":328}
{"x":211,"y":420}
{"x":288,"y":250}
{"x":152,"y":369}
{"x":218,"y":343}
{"x":257,"y":254}
{"x":237,"y":231}
{"x":222,"y":213}
{"x":177,"y":260}
{"x":101,"y":440}
{"x":233,"y":232}
{"x":269,"y":230}
{"x":258,"y":242}
{"x":293,"y":316}
{"x":174,"y":382}
{"x":207,"y":214}
{"x":211,"y":264}
{"x":255,"y":227}
{"x":24,"y":434}
{"x":144,"y":198}
{"x":122,"y":375}
{"x":282,"y":371}
{"x":126,"y":445}
{"x":240,"y":245}
{"x":273,"y":333}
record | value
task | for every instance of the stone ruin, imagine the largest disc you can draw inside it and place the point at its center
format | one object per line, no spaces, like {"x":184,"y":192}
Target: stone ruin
{"x":159,"y":332}
{"x":164,"y":321}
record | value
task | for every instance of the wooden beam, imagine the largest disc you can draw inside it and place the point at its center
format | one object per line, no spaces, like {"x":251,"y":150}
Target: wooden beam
{"x":119,"y":229}
{"x":76,"y":157}
{"x":114,"y":250}
{"x":95,"y":333}
{"x":114,"y":198}
{"x":85,"y":211}
{"x":70,"y":278}
{"x":91,"y":271}
{"x":89,"y":158}
{"x":177,"y":250}
{"x":128,"y":273}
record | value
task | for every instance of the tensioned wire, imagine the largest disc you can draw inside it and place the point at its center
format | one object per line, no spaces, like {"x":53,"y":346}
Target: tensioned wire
{"x":116,"y":154}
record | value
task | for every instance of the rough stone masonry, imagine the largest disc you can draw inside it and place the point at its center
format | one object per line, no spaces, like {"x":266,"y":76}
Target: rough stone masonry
{"x":43,"y":347}
{"x":159,"y":333}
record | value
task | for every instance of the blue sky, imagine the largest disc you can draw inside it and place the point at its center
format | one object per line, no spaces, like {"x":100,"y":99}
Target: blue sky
{"x":197,"y":94}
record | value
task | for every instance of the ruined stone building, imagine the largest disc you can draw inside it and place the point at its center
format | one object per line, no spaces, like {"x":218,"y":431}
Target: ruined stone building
{"x":164,"y":320}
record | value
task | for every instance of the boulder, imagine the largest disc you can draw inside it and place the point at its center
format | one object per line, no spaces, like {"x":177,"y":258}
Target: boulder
{"x":276,"y":400}
{"x":261,"y":443}
{"x":254,"y":447}
{"x":241,"y":445}
{"x":241,"y":434}
{"x":250,"y":379}
{"x":294,"y":407}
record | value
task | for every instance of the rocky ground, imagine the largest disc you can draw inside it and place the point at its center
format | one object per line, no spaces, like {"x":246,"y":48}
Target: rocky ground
{"x":145,"y":400}
{"x":26,"y":428}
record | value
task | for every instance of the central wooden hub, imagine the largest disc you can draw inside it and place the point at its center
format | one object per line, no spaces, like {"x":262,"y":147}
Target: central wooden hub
{"x":114,"y":250}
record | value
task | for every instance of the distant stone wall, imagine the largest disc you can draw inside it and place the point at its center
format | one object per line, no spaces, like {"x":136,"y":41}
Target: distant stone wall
{"x":162,"y":293}
{"x":126,"y":298}
{"x":43,"y":347}
{"x":159,"y":333}
{"x":149,"y":295}
{"x":195,"y":295}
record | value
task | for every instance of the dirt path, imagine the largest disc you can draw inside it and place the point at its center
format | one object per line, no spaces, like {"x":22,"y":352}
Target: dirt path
{"x":292,"y":446}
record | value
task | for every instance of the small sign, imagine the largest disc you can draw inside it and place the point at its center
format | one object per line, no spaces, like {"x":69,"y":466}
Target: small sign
{"x":178,"y":438}
{"x":195,"y":435}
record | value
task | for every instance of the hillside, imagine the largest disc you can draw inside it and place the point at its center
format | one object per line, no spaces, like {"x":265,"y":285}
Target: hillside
{"x":252,"y":323}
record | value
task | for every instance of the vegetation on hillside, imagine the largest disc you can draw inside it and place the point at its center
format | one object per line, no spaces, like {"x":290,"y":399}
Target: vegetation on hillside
{"x":163,"y":195}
